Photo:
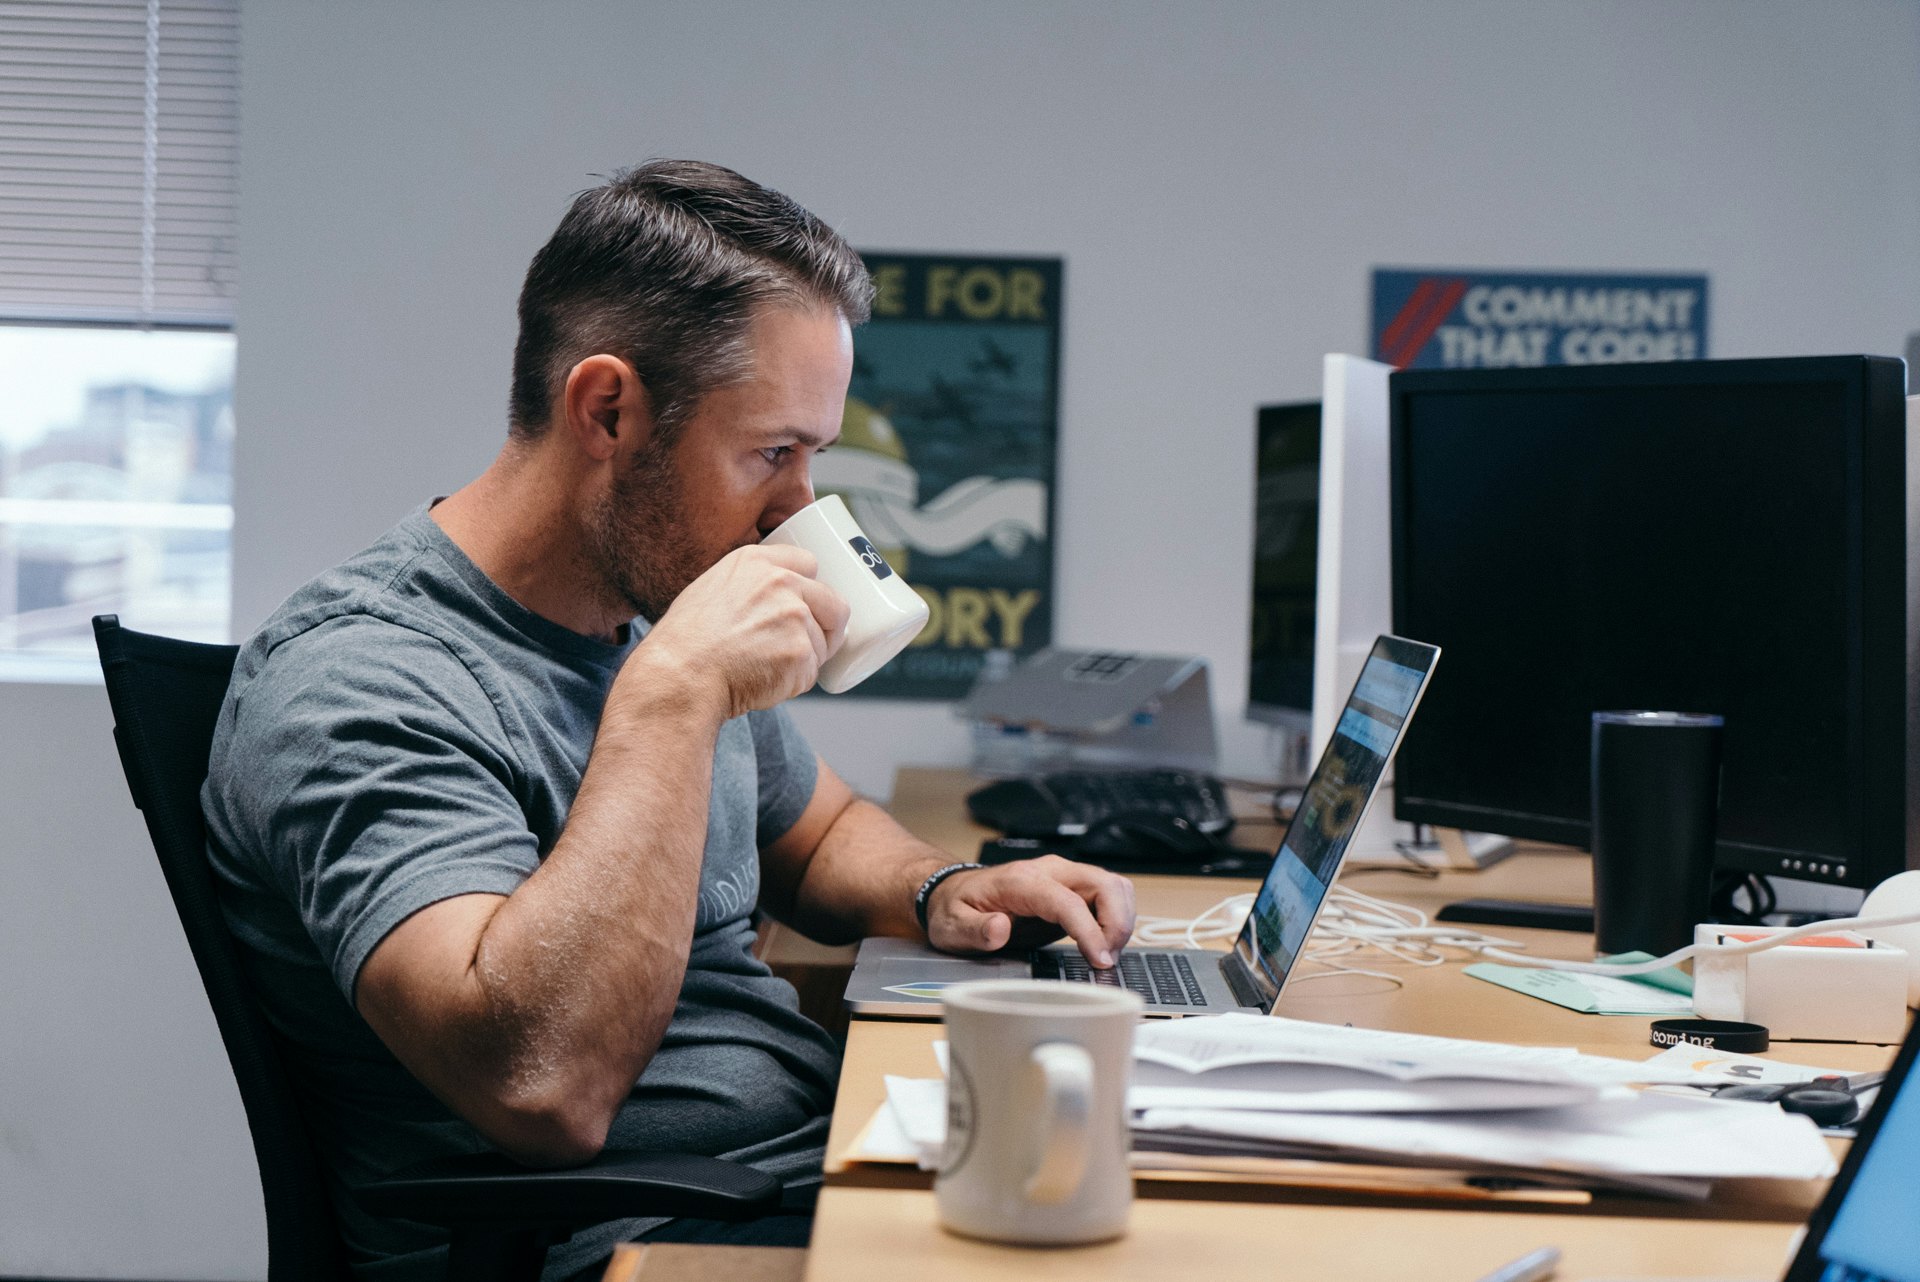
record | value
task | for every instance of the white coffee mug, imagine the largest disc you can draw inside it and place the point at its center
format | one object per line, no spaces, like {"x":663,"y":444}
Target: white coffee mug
{"x":1037,"y":1141}
{"x":885,"y":614}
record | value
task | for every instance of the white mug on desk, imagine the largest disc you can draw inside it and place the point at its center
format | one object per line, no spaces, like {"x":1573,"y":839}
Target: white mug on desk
{"x":1037,"y":1142}
{"x":884,"y":613}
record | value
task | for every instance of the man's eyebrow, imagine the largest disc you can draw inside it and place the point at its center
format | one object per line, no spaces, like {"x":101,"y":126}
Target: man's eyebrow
{"x":818,"y":440}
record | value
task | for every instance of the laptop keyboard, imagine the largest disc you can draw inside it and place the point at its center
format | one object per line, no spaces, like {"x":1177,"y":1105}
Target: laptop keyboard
{"x":1165,"y":978}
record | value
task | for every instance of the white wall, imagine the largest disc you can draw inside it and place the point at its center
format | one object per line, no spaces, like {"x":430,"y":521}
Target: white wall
{"x":123,"y":1152}
{"x":1220,"y":179}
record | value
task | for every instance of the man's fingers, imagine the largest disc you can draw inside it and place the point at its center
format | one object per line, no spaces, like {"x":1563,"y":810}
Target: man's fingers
{"x":787,"y":557}
{"x":1066,"y":896}
{"x":1067,"y":910}
{"x":822,"y":644}
{"x":996,"y":930}
{"x":829,"y":609}
{"x":1113,"y":905}
{"x":1110,"y":894}
{"x":977,"y":930}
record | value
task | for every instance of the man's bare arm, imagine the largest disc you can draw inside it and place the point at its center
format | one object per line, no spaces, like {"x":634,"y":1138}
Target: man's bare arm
{"x":847,"y":869}
{"x":531,"y":1015}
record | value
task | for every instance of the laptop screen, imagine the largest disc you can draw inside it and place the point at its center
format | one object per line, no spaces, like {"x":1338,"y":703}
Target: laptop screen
{"x":1867,"y":1230}
{"x":1331,"y":808}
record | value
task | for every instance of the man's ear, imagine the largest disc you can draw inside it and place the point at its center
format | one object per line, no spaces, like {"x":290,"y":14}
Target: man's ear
{"x":604,"y":407}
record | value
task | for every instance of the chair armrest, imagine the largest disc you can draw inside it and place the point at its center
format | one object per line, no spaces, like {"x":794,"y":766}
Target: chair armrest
{"x":492,"y":1191}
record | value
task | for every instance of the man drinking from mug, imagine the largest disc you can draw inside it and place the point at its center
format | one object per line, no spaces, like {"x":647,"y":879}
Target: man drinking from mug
{"x":493,"y":801}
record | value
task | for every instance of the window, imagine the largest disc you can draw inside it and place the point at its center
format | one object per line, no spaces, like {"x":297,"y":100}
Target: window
{"x":117,"y":160}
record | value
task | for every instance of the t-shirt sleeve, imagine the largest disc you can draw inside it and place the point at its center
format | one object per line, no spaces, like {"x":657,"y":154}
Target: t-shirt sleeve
{"x":787,"y":772}
{"x":379,"y":781}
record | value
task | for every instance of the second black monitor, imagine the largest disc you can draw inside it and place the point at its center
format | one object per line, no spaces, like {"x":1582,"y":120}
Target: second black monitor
{"x":1286,"y":540}
{"x":1713,"y":536}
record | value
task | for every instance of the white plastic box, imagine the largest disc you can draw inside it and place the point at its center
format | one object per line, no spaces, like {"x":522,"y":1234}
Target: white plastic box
{"x":1850,"y":990}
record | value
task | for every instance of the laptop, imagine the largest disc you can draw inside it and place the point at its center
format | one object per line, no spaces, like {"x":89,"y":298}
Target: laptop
{"x":905,"y":977}
{"x":1866,"y":1229}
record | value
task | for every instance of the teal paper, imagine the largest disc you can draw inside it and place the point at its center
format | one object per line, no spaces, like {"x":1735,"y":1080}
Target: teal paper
{"x":1665,"y":992}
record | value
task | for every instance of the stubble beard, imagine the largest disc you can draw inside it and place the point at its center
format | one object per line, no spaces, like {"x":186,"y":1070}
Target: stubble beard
{"x":638,"y":537}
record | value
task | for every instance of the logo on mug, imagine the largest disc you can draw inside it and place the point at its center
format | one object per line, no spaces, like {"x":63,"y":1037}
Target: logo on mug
{"x":960,"y":1114}
{"x":870,"y":557}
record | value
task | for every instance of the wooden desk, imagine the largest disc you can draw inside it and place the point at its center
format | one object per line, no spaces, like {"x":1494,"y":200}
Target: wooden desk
{"x":879,"y":1222}
{"x":885,"y":1235}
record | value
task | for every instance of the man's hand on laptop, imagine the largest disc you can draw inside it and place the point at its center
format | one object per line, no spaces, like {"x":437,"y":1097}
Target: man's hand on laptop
{"x":1030,"y":903}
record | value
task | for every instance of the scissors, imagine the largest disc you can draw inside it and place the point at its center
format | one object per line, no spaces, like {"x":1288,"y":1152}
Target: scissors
{"x":1829,"y":1101}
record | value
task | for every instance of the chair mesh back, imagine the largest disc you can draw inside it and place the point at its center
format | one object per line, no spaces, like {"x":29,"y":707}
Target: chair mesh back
{"x":166,"y":697}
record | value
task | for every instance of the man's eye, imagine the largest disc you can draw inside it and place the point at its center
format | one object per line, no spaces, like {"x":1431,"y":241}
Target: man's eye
{"x":774,"y":453}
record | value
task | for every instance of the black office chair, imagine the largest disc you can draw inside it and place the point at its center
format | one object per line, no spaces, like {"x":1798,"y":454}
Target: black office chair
{"x":166,"y":697}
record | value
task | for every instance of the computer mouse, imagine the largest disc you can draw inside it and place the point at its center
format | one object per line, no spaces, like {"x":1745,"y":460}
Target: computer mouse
{"x":1144,"y":836}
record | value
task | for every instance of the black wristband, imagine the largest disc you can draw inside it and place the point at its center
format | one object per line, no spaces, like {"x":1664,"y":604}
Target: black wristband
{"x":927,"y":887}
{"x":1711,"y":1034}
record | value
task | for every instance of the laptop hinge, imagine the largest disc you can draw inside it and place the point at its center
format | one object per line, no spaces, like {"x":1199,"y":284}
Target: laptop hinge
{"x":1245,"y":991}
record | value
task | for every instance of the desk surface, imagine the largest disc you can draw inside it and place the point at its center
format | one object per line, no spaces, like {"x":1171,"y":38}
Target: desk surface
{"x":888,"y":1235}
{"x":872,"y":1219}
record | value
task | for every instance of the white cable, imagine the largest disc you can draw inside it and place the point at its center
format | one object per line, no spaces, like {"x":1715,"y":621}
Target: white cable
{"x":1423,"y":938}
{"x":1352,"y":922}
{"x":1220,"y":921}
{"x":1691,"y":950}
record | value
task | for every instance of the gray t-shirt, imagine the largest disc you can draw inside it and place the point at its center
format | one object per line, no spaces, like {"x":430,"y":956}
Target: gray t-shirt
{"x":401,"y":731}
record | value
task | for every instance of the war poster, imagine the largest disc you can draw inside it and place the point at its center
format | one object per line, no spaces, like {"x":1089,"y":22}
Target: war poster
{"x":946,"y":456}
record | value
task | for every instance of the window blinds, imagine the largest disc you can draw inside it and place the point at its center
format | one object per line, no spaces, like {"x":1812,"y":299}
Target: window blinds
{"x":117,"y":160}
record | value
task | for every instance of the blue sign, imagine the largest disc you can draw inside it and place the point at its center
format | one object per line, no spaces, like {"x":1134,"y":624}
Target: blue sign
{"x":1437,"y":319}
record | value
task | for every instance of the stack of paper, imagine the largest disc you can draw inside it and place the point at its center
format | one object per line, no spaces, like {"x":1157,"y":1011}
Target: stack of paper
{"x":1239,"y":1088}
{"x":1639,"y":1141}
{"x":1245,"y":1086}
{"x":1290,"y":1065}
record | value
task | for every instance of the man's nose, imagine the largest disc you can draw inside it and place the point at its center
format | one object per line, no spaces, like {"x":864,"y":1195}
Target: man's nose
{"x":791,"y":499}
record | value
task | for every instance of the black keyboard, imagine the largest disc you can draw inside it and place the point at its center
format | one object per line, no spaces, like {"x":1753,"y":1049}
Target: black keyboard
{"x":1166,"y":978}
{"x":1069,"y":803}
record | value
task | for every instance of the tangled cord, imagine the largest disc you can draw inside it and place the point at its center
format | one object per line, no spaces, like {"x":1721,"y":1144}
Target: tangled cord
{"x":1351,"y":923}
{"x":1222,"y":921}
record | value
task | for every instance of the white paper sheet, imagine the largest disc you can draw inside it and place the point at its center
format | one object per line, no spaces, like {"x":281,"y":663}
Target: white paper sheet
{"x":913,"y":1122}
{"x":1226,"y":1041}
{"x":1731,"y":1066}
{"x":1647,"y":1134}
{"x":884,"y":1139}
{"x":1250,"y":1052}
{"x":1728,"y":1067}
{"x":1431,"y":1096}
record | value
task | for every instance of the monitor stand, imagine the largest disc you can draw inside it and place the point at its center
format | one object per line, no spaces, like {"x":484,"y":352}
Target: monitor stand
{"x":1385,"y":842}
{"x":1519,"y":912}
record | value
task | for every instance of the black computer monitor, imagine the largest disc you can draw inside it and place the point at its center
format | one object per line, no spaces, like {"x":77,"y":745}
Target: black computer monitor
{"x":1286,"y":518}
{"x":1709,"y":536}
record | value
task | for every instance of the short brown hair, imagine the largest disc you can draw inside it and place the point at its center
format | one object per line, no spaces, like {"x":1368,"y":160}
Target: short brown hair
{"x":663,"y":266}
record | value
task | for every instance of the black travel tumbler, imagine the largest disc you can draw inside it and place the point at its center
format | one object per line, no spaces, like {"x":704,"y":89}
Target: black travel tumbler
{"x":1656,"y":796}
